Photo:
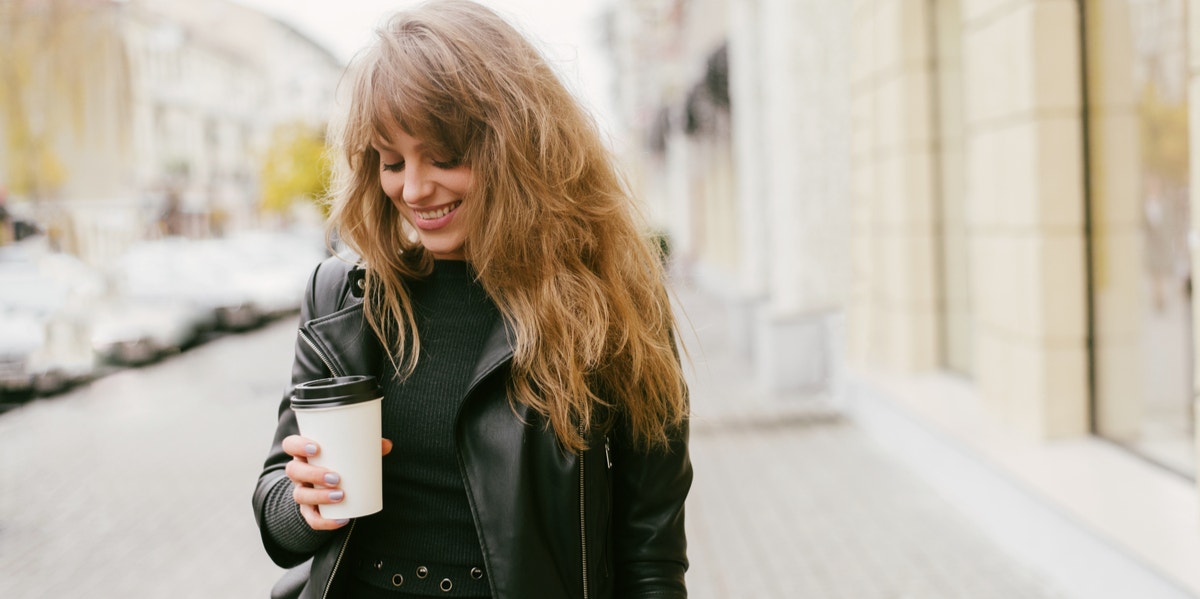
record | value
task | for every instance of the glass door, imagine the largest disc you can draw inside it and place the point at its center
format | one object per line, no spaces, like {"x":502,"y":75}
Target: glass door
{"x":1138,"y":135}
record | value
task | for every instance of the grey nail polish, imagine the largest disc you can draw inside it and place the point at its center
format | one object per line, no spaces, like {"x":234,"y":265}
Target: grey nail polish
{"x":331,"y":478}
{"x":310,"y":449}
{"x":335,"y":495}
{"x":342,"y":520}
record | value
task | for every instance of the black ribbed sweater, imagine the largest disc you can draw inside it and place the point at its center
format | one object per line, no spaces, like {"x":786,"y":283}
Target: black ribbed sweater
{"x":425,"y":514}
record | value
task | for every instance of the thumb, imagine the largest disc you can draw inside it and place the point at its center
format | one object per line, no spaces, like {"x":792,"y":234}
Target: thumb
{"x":387,"y":446}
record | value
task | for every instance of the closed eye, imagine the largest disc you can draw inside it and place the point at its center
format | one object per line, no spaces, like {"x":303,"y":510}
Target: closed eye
{"x":447,"y":164}
{"x":394,"y":167}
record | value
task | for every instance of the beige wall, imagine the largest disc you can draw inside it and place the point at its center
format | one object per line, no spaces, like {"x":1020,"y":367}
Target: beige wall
{"x":1024,"y":203}
{"x":893,"y":320}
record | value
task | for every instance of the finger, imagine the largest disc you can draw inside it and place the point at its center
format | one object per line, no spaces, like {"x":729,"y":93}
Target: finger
{"x":316,"y":522}
{"x":300,"y":447}
{"x":311,"y":496}
{"x":301,"y":472}
{"x":387,"y":446}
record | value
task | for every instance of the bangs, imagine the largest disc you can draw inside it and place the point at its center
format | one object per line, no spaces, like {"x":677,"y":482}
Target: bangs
{"x":407,"y":94}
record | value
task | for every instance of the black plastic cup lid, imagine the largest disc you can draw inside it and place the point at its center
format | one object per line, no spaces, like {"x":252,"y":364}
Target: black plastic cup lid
{"x":334,"y":392}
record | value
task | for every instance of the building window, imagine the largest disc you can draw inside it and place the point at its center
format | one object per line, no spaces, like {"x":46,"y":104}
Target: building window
{"x":1138,"y":150}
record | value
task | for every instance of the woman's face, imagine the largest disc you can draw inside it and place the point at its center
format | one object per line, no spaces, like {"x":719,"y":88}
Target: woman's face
{"x":428,"y":190}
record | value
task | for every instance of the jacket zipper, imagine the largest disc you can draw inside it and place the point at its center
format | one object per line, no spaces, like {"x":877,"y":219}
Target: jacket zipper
{"x":583,"y":510}
{"x":608,"y":542}
{"x":338,"y":561}
{"x":317,"y":350}
{"x":583,"y":527}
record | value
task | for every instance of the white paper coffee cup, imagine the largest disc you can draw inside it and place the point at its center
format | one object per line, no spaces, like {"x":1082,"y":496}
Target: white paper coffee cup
{"x":342,"y":415}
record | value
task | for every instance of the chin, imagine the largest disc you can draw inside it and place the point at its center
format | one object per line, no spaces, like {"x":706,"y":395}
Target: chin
{"x":444,"y":253}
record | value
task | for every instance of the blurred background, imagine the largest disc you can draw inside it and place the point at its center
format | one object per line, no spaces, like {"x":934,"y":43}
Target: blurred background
{"x":935,"y":257}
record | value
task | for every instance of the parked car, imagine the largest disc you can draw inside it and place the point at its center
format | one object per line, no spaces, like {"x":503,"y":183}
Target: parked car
{"x":133,"y":333}
{"x":273,"y":268}
{"x":181,"y":272}
{"x":238,"y":282}
{"x":44,"y":320}
{"x":20,"y":337}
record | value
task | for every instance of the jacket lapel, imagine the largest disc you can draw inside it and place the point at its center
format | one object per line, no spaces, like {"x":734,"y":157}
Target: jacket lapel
{"x":497,"y":349}
{"x":346,"y":341}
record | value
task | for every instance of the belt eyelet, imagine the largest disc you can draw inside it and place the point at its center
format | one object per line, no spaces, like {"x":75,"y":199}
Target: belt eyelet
{"x":477,"y":573}
{"x":445,"y":585}
{"x":422,"y":572}
{"x":397,"y":580}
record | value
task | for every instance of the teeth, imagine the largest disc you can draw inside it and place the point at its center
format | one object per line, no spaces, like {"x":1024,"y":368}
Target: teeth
{"x":438,"y":213}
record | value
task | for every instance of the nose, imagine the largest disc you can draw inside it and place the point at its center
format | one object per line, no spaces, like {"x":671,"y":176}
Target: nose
{"x":417,"y":184}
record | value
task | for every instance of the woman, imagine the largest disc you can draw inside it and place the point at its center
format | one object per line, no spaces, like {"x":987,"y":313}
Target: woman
{"x":535,"y":414}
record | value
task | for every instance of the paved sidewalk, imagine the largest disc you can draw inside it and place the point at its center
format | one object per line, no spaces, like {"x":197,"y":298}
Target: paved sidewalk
{"x":138,"y":486}
{"x":792,"y":500}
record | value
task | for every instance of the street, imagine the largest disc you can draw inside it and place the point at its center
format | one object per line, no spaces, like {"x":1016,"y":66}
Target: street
{"x":139,"y":485}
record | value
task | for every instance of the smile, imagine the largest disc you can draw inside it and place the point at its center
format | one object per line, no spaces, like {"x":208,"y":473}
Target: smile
{"x":439,"y":212}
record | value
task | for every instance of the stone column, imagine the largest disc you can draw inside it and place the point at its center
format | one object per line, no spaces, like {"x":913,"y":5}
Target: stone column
{"x":1025,"y":212}
{"x":806,"y":56}
{"x":750,"y":154}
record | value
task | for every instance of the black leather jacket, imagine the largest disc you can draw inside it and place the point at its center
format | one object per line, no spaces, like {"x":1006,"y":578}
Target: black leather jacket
{"x":604,"y":523}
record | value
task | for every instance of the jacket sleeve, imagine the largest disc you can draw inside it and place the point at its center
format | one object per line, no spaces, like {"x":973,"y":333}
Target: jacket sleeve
{"x":649,"y":490}
{"x":323,"y":285}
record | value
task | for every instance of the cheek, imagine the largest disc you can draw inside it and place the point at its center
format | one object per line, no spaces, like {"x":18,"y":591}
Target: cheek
{"x":458,"y":181}
{"x":392,"y":194}
{"x":392,"y":185}
{"x":399,"y":206}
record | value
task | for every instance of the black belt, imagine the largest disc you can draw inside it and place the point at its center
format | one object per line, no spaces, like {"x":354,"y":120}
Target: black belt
{"x":423,"y":578}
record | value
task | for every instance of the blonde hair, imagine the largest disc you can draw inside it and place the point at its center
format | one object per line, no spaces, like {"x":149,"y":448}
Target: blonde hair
{"x":552,"y":229}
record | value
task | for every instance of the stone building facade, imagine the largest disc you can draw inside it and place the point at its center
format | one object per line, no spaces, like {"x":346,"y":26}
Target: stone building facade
{"x":979,"y":210}
{"x":186,"y":132}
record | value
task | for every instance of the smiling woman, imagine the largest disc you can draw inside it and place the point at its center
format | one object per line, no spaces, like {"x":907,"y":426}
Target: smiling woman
{"x":428,"y":189}
{"x":502,"y":290}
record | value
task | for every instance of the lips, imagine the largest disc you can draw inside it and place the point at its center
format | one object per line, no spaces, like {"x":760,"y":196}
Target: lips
{"x":436,"y":218}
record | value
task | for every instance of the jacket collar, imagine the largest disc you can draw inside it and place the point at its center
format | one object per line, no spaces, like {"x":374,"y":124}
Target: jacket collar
{"x":351,"y":346}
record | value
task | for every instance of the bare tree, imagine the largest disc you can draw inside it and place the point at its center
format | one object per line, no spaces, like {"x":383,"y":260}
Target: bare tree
{"x":64,"y":78}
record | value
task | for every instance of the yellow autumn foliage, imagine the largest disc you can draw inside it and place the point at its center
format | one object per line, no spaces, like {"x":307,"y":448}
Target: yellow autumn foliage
{"x":294,"y":168}
{"x":1164,"y":136}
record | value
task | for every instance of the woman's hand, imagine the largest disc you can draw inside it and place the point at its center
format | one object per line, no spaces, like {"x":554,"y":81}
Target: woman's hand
{"x":314,"y":485}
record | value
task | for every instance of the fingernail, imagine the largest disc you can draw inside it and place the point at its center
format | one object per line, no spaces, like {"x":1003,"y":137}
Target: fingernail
{"x":335,"y":495}
{"x":310,"y":449}
{"x":342,"y":520}
{"x":331,"y":478}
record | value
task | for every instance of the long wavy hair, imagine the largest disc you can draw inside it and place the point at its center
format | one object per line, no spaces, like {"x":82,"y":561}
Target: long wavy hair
{"x":553,"y":233}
